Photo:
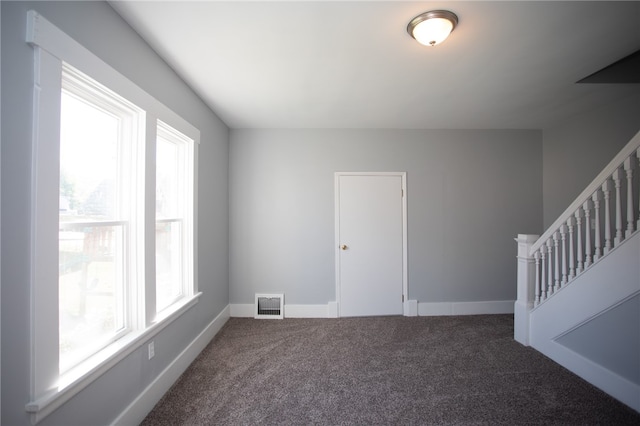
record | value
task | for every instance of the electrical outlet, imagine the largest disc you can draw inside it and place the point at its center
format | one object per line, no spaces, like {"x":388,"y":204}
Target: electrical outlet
{"x":152,"y":350}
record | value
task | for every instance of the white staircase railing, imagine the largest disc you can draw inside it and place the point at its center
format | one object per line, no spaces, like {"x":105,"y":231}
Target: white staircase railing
{"x":605,"y":214}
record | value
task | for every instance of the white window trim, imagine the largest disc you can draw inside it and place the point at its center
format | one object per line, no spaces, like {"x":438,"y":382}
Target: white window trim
{"x":52,"y":46}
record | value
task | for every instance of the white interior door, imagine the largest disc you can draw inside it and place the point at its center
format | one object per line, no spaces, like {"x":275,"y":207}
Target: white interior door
{"x":371,"y":233}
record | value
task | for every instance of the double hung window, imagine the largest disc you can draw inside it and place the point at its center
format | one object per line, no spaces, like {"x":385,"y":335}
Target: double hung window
{"x":173,"y":201}
{"x":99,"y":145}
{"x":113,"y":217}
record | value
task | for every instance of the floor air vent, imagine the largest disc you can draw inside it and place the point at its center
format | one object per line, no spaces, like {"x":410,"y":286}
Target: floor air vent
{"x":269,"y":306}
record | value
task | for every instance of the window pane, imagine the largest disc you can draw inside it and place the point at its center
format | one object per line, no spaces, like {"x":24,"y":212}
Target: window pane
{"x":169,"y":275}
{"x":167,"y":179}
{"x":91,"y":238}
{"x":90,"y":287}
{"x":174,"y":186}
{"x":88,"y":161}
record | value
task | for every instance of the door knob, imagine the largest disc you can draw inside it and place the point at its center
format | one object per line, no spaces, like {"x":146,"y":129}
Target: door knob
{"x":344,"y":247}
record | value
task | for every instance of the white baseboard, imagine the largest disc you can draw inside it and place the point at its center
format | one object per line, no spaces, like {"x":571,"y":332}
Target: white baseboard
{"x":242,"y":310}
{"x":329,"y":310}
{"x":411,"y":308}
{"x":332,"y":309}
{"x":142,"y":405}
{"x":306,"y":311}
{"x":466,"y":308}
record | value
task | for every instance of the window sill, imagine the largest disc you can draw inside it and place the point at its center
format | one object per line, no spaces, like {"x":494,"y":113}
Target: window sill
{"x":73,"y":381}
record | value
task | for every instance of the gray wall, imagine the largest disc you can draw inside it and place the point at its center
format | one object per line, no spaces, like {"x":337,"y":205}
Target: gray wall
{"x":99,"y":28}
{"x":470,"y":192}
{"x":575,"y":151}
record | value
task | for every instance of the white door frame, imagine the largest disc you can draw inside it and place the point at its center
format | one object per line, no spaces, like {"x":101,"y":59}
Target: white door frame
{"x":405,"y":279}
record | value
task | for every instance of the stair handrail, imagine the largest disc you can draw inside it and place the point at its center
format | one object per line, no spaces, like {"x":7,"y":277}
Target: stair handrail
{"x":618,"y":160}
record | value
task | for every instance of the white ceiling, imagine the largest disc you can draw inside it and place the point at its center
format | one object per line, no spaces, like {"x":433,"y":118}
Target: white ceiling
{"x":339,"y":64}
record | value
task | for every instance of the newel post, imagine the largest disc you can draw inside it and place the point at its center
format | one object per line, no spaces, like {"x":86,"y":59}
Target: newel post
{"x":526,"y":288}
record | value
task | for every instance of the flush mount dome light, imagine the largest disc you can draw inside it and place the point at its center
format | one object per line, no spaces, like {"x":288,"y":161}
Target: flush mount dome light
{"x":431,"y":28}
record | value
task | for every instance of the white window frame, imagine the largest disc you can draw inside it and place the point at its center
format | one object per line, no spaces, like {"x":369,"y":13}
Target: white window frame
{"x":132,"y":141}
{"x":52,"y":47}
{"x":185,"y":146}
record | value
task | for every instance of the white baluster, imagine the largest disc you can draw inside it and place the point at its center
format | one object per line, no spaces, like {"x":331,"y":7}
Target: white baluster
{"x":580,"y":256}
{"x":587,"y":234}
{"x":596,"y":209}
{"x":550,"y":266}
{"x":544,"y":292}
{"x":572,"y":258}
{"x":556,"y":262}
{"x":628,"y":168}
{"x":617,"y":176}
{"x":536,"y":256}
{"x":563,"y":239}
{"x":606,"y":190}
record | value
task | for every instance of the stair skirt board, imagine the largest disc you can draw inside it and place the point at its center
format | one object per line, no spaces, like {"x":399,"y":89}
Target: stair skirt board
{"x":330,"y":310}
{"x":589,"y":296}
{"x":611,"y":383}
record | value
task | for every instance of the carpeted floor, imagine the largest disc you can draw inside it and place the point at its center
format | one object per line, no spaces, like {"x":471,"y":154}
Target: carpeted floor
{"x":383,"y":371}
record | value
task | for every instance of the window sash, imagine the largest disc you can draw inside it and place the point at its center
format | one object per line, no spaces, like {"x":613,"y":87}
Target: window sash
{"x":174,"y":185}
{"x":120,"y":312}
{"x":171,"y":283}
{"x":129,"y":146}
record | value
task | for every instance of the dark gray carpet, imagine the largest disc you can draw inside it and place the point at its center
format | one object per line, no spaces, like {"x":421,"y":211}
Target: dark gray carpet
{"x":383,"y":371}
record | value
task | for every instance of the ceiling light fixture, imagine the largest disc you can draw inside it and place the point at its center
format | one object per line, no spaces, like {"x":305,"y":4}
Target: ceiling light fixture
{"x":431,"y":28}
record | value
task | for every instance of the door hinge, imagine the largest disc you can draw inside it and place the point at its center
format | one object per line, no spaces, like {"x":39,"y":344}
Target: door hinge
{"x":403,"y":298}
{"x":402,"y":193}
